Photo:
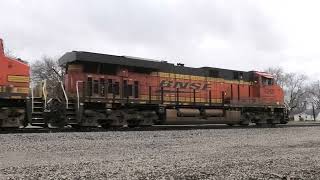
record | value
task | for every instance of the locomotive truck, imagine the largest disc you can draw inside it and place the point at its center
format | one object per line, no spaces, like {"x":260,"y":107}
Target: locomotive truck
{"x":115,"y":91}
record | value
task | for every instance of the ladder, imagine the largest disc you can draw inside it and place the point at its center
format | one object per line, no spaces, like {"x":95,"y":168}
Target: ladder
{"x":38,"y":105}
{"x":37,"y":112}
{"x":71,"y":113}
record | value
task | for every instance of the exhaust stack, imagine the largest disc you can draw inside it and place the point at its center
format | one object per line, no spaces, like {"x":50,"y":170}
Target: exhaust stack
{"x":1,"y":48}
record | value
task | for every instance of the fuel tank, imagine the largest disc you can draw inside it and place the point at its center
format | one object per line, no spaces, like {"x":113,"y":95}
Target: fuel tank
{"x":209,"y":116}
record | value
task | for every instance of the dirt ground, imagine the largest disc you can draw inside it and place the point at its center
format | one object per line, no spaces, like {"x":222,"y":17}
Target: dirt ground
{"x":228,"y":153}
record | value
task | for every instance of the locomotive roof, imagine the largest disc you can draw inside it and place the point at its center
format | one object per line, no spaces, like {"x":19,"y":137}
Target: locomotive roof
{"x":163,"y":66}
{"x":110,"y":59}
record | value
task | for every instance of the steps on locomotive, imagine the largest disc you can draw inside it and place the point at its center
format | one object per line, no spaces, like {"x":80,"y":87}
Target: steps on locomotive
{"x":37,"y":114}
{"x":71,"y":113}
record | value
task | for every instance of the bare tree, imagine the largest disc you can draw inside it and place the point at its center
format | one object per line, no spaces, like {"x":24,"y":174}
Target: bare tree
{"x":10,"y":54}
{"x":279,"y":75}
{"x":295,"y":91}
{"x":314,"y":93}
{"x":49,"y":70}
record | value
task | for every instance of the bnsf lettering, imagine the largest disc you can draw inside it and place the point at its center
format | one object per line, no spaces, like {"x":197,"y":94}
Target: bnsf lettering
{"x":184,"y":85}
{"x":206,"y":86}
{"x":165,"y":83}
{"x":181,"y":85}
{"x":195,"y":85}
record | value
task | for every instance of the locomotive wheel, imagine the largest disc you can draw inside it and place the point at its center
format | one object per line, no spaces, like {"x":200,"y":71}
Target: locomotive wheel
{"x":133,"y":123}
{"x":58,"y":124}
{"x":12,"y":117}
{"x":161,"y":119}
{"x":259,"y":124}
{"x":106,"y":125}
{"x":76,"y":126}
{"x":244,"y":122}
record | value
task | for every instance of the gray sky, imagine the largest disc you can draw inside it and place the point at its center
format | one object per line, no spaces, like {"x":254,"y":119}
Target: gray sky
{"x":233,"y":34}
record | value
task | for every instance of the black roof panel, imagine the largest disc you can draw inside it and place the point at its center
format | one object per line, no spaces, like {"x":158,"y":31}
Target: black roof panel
{"x":111,"y":59}
{"x":162,"y":66}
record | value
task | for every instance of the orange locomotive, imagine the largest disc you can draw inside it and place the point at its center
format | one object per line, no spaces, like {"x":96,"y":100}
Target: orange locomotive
{"x":14,"y":90}
{"x":113,"y":90}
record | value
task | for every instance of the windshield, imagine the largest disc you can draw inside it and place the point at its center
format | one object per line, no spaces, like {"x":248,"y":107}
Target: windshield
{"x":266,"y":81}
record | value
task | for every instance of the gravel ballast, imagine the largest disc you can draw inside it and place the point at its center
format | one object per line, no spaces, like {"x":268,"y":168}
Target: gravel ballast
{"x":248,"y":153}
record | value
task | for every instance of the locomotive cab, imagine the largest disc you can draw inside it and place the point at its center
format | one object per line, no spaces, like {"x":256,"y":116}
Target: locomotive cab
{"x":266,"y":89}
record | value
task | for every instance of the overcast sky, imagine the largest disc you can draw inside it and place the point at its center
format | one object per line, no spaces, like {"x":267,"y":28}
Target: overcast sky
{"x":233,"y":34}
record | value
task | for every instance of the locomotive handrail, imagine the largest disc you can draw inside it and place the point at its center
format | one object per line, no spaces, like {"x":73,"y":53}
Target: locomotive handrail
{"x":65,"y":94}
{"x":44,"y":92}
{"x":32,"y":100}
{"x":78,"y":96}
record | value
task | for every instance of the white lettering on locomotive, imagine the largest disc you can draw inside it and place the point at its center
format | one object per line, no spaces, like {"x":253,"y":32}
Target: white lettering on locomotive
{"x":184,"y":85}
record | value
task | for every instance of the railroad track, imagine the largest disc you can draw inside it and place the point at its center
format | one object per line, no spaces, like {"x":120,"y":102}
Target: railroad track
{"x":150,"y":128}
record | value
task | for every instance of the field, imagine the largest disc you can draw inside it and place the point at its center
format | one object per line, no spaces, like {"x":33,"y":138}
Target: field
{"x":216,"y":153}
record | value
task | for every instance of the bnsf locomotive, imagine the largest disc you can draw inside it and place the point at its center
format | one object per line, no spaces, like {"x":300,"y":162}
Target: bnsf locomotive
{"x":115,"y":91}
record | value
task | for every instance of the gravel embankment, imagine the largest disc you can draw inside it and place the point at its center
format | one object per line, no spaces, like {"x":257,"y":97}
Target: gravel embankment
{"x":180,"y":154}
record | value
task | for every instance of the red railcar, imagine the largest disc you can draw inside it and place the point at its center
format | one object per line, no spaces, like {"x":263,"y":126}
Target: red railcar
{"x":14,"y":89}
{"x":120,"y":90}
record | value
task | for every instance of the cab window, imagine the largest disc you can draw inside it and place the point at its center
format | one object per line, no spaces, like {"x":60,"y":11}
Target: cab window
{"x":267,"y":81}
